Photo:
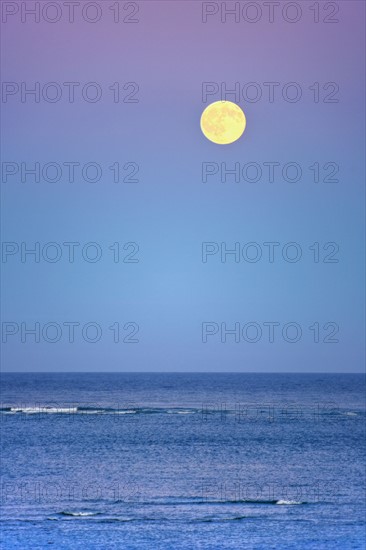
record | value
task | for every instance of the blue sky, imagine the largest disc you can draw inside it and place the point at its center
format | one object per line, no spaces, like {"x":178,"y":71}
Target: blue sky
{"x":170,"y":212}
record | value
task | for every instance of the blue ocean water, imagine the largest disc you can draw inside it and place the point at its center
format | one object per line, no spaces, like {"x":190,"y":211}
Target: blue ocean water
{"x":183,"y":461}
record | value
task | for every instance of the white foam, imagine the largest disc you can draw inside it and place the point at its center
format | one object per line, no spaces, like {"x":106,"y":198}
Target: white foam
{"x":79,"y":514}
{"x":288,"y":502}
{"x":39,"y":410}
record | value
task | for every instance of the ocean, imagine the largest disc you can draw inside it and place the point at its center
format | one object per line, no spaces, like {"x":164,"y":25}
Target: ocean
{"x":183,"y":461}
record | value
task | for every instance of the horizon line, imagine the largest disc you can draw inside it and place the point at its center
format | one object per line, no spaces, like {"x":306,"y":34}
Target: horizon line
{"x":179,"y":372}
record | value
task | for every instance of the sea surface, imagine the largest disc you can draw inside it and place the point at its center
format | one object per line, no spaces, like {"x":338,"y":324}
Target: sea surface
{"x":183,"y":461}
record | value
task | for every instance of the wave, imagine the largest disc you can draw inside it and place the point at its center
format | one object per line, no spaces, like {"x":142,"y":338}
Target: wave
{"x":101,"y":520}
{"x":289,"y":502}
{"x":146,"y":519}
{"x":95,"y":410}
{"x":174,"y":520}
{"x":253,"y":501}
{"x":78,"y":514}
{"x":132,"y":409}
{"x":217,"y":520}
{"x":42,"y":410}
{"x":202,"y":501}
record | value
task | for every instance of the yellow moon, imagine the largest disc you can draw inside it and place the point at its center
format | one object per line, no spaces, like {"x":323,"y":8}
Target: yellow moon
{"x":223,"y":122}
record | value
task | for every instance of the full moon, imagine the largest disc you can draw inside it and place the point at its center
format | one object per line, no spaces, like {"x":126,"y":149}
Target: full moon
{"x":223,"y":122}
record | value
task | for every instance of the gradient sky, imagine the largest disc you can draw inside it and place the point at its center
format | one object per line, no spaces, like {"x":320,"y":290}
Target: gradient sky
{"x":170,"y":52}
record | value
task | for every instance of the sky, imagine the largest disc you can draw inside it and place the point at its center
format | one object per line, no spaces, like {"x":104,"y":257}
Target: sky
{"x":132,"y":212}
